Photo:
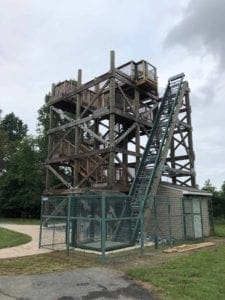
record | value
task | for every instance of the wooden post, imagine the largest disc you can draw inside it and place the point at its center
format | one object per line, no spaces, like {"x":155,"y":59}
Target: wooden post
{"x":190,"y":140}
{"x":172,"y":156}
{"x":137,"y":130}
{"x":48,"y":183}
{"x":96,"y":121}
{"x":77,"y":131}
{"x":125,"y":162}
{"x":112,"y":95}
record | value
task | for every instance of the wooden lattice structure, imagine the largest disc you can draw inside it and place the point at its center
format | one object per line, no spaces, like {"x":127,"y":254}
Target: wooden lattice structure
{"x":98,"y":131}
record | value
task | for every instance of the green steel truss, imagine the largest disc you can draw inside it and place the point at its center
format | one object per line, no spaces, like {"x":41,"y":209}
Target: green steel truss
{"x":153,"y":160}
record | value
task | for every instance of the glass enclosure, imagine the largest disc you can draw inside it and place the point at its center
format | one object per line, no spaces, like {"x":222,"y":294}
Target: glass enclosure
{"x":141,"y":70}
{"x":96,"y":222}
{"x":103,"y":222}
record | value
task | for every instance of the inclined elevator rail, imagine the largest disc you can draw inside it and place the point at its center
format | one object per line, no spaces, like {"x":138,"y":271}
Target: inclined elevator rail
{"x":147,"y":178}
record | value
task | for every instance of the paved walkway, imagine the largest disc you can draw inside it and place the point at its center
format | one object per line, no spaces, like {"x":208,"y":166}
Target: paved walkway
{"x":30,"y":248}
{"x":81,"y":284}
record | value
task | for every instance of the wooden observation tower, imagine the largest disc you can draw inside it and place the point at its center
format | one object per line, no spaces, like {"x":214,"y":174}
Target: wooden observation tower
{"x":98,"y":131}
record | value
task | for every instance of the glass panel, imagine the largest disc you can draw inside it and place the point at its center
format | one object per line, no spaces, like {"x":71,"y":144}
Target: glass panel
{"x":140,"y":70}
{"x":151,"y":72}
{"x":128,"y":69}
{"x":196,"y":206}
{"x":88,"y":234}
{"x":197,"y":226}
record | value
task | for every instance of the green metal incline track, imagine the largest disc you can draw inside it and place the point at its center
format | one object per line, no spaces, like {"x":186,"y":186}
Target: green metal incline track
{"x":150,"y":169}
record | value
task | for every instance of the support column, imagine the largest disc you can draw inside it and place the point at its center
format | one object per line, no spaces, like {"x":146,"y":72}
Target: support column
{"x":190,"y":140}
{"x":112,"y":96}
{"x":172,"y":157}
{"x":48,"y":182}
{"x":96,"y":131}
{"x":77,"y":132}
{"x":137,"y":130}
{"x":186,"y":141}
{"x":96,"y":121}
{"x":125,"y":162}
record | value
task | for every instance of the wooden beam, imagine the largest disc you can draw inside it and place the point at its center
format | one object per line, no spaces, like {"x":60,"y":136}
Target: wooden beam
{"x":92,"y":171}
{"x":101,"y":114}
{"x":61,"y":113}
{"x":124,"y":167}
{"x":79,"y":121}
{"x":95,"y":98}
{"x":83,"y":87}
{"x":92,"y":133}
{"x":50,"y":168}
{"x":58,"y":143}
{"x":126,"y":98}
{"x":129,"y":130}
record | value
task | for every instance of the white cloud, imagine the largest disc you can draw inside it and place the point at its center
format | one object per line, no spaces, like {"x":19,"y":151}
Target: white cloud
{"x":46,"y":42}
{"x":199,"y":39}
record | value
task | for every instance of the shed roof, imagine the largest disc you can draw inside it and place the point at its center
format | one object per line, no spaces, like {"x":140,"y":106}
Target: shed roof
{"x":186,"y":190}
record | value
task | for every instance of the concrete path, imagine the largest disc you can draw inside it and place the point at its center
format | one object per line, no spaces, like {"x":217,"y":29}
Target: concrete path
{"x":85,"y":284}
{"x":30,"y":248}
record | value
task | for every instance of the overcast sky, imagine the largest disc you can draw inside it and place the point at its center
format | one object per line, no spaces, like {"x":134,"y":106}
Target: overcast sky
{"x":47,"y":41}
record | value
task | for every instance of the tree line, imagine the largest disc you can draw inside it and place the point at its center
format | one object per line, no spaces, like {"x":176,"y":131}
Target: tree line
{"x":22,"y":172}
{"x":218,"y":198}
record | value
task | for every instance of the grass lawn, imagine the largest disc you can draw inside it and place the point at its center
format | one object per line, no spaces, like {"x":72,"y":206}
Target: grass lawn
{"x":198,"y":276}
{"x":20,"y":221}
{"x":219,"y":230}
{"x":219,"y":227}
{"x":201,"y":275}
{"x":46,"y":263}
{"x":9,"y":238}
{"x":195,"y":275}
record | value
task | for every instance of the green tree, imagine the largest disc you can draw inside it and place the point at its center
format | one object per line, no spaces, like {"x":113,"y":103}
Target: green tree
{"x":14,"y":127}
{"x":43,"y":117}
{"x":12,"y":131}
{"x":21,"y":172}
{"x":223,"y":190}
{"x":218,"y":198}
{"x":208,"y":186}
{"x":4,"y":148}
{"x":222,"y":200}
{"x":21,"y":185}
{"x":42,"y":128}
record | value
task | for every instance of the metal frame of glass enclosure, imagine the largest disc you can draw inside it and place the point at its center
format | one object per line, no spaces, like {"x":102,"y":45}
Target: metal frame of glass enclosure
{"x":95,"y":222}
{"x":102,"y":222}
